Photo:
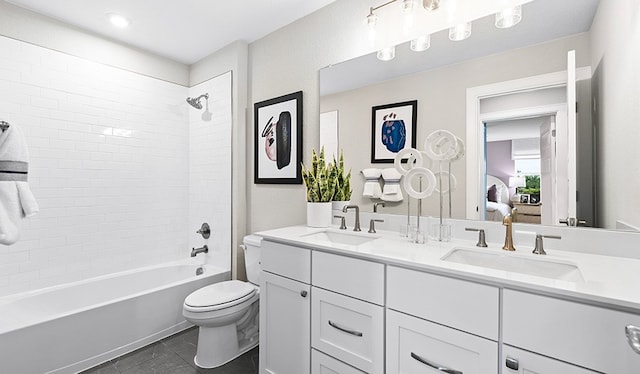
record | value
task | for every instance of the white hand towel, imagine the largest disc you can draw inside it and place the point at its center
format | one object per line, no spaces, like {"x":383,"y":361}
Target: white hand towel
{"x":391,"y":191}
{"x":16,"y":199}
{"x":372,"y":187}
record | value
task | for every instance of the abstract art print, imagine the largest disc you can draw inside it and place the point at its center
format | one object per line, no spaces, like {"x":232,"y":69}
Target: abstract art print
{"x":393,"y":128}
{"x":278,"y":140}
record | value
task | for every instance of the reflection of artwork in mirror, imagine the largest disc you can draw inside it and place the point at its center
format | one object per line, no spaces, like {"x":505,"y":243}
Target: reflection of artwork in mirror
{"x":278,"y":140}
{"x":524,"y":199}
{"x":393,"y":127}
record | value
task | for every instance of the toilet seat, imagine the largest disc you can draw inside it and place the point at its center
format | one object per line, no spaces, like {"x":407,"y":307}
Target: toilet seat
{"x":219,"y":296}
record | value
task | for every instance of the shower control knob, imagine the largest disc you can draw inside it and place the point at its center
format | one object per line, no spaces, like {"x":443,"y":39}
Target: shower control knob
{"x":205,"y":231}
{"x":303,"y":293}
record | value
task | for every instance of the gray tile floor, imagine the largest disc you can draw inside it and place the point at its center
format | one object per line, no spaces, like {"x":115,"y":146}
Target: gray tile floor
{"x":173,"y":355}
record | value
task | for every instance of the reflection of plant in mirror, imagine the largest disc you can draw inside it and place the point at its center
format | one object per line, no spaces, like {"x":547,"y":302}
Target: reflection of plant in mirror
{"x":532,"y":185}
{"x":343,"y":182}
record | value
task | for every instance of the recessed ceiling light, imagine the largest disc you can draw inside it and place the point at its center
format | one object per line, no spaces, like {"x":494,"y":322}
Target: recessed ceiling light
{"x":118,"y":20}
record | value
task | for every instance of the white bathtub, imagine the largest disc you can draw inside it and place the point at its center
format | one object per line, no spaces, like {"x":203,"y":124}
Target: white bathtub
{"x":75,"y":326}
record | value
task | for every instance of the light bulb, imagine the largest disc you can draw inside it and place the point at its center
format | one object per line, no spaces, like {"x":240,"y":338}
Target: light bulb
{"x":460,"y":32}
{"x":386,"y":54}
{"x":509,"y":17}
{"x":431,"y":4}
{"x":421,"y":43}
{"x":118,"y":21}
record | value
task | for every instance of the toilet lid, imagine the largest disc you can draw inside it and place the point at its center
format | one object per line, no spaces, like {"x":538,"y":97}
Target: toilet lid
{"x":225,"y":294}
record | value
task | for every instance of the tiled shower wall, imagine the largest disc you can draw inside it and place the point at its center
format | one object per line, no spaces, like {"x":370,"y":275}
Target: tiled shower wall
{"x":109,"y":167}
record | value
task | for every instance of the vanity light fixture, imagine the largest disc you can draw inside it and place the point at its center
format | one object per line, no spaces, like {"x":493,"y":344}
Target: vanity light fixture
{"x":118,"y":20}
{"x":509,"y":17}
{"x":386,"y":54}
{"x":421,"y":43}
{"x":460,"y":32}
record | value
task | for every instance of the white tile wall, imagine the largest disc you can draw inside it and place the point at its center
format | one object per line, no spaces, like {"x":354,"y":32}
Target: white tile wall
{"x":109,"y":167}
{"x":210,"y":150}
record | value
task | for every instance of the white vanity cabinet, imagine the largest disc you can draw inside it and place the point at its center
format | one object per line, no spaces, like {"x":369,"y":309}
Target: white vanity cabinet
{"x":519,"y":361}
{"x":285,"y":307}
{"x":347,"y":313}
{"x":584,"y":335}
{"x":436,"y":323}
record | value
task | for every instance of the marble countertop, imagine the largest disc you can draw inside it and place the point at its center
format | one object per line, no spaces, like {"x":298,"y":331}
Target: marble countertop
{"x":603,"y":280}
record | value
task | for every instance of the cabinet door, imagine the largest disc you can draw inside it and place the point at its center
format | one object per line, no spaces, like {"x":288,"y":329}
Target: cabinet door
{"x":418,"y":346}
{"x":323,"y":364}
{"x":285,"y":310}
{"x":523,"y":362}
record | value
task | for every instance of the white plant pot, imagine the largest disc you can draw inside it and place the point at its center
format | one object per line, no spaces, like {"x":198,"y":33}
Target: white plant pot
{"x":319,"y":214}
{"x":338,"y":205}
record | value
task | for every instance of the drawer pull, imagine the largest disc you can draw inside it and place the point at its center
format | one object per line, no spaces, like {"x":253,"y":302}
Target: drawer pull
{"x":633,"y":337}
{"x":435,"y":366}
{"x":352,"y":332}
{"x":303,"y":293}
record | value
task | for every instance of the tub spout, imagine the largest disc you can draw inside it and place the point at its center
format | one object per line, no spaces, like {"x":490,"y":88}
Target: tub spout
{"x":203,"y":249}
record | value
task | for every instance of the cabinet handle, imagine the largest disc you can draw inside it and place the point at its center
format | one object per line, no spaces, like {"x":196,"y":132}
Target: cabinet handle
{"x":352,"y":332}
{"x":433,"y":365}
{"x":303,"y":293}
{"x":633,"y":337}
{"x":512,"y":363}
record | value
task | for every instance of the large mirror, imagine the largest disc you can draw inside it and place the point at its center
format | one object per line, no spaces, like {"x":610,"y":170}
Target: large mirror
{"x":512,"y":125}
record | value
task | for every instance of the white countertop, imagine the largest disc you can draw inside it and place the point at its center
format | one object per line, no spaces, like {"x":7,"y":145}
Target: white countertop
{"x":607,"y":280}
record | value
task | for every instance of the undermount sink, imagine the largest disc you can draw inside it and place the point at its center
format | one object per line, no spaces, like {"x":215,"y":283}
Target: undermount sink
{"x":340,"y":237}
{"x":517,"y":263}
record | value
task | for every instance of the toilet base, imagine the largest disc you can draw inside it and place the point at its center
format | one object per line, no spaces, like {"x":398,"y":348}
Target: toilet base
{"x":220,"y":345}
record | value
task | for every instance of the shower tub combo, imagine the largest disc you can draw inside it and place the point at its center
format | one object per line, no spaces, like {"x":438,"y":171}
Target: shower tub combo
{"x":72,"y":327}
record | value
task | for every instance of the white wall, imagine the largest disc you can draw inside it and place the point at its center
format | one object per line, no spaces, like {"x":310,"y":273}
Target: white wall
{"x":615,"y":38}
{"x":210,"y":169}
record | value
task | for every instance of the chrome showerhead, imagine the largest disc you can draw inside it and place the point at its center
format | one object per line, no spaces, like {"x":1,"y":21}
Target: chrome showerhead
{"x":195,"y":101}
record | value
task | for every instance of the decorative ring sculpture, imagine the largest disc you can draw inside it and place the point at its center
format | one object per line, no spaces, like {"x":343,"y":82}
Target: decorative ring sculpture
{"x":427,"y":175}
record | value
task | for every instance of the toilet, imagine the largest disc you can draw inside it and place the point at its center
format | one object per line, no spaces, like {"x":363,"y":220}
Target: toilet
{"x":227,"y":313}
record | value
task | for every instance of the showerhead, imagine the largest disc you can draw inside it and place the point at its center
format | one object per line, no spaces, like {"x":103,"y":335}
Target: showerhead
{"x":195,"y":101}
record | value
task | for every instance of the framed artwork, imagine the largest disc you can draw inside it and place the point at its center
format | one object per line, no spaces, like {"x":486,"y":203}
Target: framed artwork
{"x":393,"y":128}
{"x":278,"y":140}
{"x":524,"y":199}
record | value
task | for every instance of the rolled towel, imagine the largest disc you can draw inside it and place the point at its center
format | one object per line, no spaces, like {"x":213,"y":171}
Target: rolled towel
{"x":16,"y":199}
{"x":372,"y":187}
{"x":392,"y":190}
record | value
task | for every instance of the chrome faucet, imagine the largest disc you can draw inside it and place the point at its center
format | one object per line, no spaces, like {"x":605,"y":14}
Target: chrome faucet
{"x":539,"y":248}
{"x":372,"y":225}
{"x":357,"y":208}
{"x":375,"y":206}
{"x":195,"y":251}
{"x":508,"y":238}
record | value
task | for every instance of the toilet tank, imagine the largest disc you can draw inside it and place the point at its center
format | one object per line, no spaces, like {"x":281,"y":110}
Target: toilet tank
{"x":252,"y":258}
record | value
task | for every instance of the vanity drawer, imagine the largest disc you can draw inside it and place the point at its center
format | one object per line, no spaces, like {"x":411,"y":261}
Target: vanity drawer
{"x":585,"y":335}
{"x":416,"y":346}
{"x":286,"y":260}
{"x":456,"y":303}
{"x":348,"y":329}
{"x":349,"y":276}
{"x":323,"y":364}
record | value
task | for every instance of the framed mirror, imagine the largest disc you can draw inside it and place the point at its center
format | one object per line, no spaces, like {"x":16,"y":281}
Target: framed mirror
{"x":441,"y":79}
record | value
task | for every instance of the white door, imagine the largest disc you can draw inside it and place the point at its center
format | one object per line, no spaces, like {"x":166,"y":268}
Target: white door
{"x":524,"y":362}
{"x":548,"y":194}
{"x":285,"y":325}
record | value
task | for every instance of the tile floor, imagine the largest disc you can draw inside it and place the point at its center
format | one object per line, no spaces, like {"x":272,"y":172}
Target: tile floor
{"x":173,"y":355}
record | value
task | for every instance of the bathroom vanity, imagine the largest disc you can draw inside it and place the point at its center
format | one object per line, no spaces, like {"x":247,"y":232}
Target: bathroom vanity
{"x":335,"y":301}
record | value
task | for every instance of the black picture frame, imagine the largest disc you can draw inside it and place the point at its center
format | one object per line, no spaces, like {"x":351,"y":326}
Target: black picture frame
{"x":524,"y":199}
{"x":387,"y":139}
{"x":278,"y":140}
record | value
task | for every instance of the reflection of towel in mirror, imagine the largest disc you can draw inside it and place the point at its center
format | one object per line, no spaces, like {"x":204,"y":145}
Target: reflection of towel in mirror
{"x":16,"y":199}
{"x":372,"y":185}
{"x":391,"y":191}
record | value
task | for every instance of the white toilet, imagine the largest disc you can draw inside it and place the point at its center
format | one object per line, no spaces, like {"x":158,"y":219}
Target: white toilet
{"x":227,"y":313}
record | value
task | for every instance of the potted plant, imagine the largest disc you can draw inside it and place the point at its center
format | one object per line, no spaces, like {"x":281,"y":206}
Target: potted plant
{"x":320,"y":181}
{"x":342,"y":193}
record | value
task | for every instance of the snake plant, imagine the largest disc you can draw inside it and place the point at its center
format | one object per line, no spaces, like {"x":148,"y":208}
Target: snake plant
{"x":343,"y":182}
{"x":319,"y":179}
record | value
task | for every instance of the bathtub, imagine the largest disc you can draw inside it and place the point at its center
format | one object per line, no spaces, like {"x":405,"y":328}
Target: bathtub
{"x":72,"y":327}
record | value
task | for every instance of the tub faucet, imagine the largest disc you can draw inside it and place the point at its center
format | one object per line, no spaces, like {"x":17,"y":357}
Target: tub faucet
{"x":508,"y":238}
{"x":357,"y":208}
{"x":195,"y":251}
